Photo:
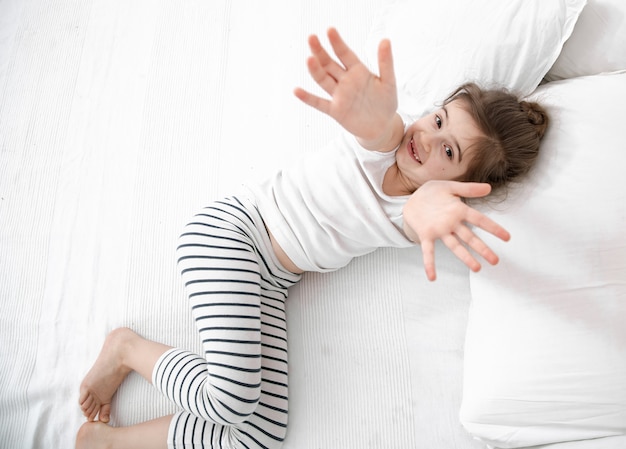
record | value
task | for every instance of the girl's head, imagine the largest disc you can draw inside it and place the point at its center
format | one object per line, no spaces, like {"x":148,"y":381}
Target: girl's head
{"x":511,"y":131}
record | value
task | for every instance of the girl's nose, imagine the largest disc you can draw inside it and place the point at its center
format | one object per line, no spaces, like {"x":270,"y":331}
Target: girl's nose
{"x":427,"y":141}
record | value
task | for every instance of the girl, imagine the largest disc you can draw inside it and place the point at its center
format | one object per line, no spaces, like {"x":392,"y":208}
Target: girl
{"x":388,"y":184}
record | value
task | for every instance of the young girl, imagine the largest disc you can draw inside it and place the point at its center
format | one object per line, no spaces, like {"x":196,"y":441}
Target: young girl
{"x":388,"y":184}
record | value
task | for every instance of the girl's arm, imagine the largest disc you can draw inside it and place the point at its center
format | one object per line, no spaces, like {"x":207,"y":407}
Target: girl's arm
{"x":363,"y":103}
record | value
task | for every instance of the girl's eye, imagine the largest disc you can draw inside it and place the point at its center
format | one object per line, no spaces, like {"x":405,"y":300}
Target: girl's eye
{"x":438,"y":121}
{"x":449,"y":152}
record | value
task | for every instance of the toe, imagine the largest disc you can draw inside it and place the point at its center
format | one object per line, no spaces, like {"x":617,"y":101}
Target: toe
{"x":105,"y":413}
{"x":86,"y":405}
{"x":92,"y":413}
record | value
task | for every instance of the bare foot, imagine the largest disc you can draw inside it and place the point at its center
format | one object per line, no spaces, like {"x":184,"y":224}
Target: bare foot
{"x":151,"y":434}
{"x":94,"y":435}
{"x":105,"y":377}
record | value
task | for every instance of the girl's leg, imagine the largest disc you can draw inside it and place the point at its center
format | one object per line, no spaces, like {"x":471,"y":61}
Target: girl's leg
{"x":222,"y":281}
{"x":123,"y":351}
{"x":237,"y":392}
{"x":238,"y":388}
{"x":147,"y":435}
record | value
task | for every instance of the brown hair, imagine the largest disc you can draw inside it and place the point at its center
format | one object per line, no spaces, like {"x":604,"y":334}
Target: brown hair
{"x":512,"y":131}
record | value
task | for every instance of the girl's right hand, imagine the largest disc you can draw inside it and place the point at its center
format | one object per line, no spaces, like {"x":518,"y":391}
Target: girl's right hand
{"x":363,"y":103}
{"x":436,"y":211}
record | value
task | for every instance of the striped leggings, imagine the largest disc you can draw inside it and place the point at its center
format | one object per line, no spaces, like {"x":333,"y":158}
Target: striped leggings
{"x":235,"y":396}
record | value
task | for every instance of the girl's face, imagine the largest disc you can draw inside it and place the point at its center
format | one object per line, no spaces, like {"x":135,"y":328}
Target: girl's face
{"x":437,"y":146}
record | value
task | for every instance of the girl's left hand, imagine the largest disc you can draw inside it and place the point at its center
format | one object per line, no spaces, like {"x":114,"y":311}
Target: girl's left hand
{"x":435,"y":211}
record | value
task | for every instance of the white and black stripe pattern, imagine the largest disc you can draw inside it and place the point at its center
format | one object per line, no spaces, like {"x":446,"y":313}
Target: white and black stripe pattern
{"x":236,"y":395}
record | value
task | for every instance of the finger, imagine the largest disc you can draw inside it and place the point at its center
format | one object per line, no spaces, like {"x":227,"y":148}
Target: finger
{"x":472,"y":241}
{"x":470,"y":189}
{"x":347,"y":57}
{"x":314,"y":101}
{"x":461,"y":252}
{"x":326,"y":62}
{"x":428,"y":256}
{"x":385,"y":62}
{"x":321,"y":76}
{"x":487,"y":224}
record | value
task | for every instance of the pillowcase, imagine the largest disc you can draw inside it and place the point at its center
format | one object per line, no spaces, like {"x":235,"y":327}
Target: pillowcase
{"x":439,"y":45}
{"x":545,"y":355}
{"x":597,"y":44}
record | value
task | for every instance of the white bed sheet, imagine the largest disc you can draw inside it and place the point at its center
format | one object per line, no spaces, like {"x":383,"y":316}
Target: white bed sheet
{"x":118,"y":120}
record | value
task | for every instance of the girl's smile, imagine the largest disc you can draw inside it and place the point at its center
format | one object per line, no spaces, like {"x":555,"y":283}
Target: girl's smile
{"x":413,"y":150}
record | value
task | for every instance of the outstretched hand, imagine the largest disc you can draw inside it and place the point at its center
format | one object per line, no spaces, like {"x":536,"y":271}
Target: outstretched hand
{"x":435,"y":211}
{"x":363,"y":103}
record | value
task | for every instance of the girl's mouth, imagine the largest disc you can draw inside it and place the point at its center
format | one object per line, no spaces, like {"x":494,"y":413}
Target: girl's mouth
{"x":413,"y":150}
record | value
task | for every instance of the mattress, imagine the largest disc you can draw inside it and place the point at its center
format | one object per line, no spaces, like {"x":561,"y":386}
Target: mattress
{"x":118,"y":120}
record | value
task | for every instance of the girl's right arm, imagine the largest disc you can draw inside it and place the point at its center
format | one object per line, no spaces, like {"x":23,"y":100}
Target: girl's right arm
{"x":363,"y":103}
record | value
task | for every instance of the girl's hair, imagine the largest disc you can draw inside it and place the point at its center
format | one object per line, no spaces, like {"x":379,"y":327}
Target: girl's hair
{"x":512,"y":131}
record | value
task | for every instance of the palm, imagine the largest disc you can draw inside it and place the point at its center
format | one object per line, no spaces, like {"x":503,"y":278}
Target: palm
{"x":435,"y":211}
{"x":361,"y":102}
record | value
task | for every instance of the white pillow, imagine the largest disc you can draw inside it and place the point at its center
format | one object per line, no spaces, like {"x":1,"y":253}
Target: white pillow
{"x":545,"y":356}
{"x":438,"y":45}
{"x":597,"y":44}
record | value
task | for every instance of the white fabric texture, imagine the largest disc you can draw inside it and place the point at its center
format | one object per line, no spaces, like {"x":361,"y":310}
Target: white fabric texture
{"x":546,"y":341}
{"x":597,"y":44}
{"x":439,"y":45}
{"x":330,"y":207}
{"x":118,"y":120}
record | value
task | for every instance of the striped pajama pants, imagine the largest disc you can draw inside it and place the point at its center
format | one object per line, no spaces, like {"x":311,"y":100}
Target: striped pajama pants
{"x":235,"y":395}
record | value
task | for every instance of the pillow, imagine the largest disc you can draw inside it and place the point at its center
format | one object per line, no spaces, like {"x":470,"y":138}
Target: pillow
{"x":545,"y":355}
{"x":597,"y":44}
{"x":438,"y":45}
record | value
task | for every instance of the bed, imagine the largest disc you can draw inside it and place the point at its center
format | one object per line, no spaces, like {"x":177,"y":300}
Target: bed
{"x":119,"y":119}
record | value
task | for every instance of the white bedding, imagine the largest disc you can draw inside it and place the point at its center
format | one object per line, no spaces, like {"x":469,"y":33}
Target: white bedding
{"x":118,"y":120}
